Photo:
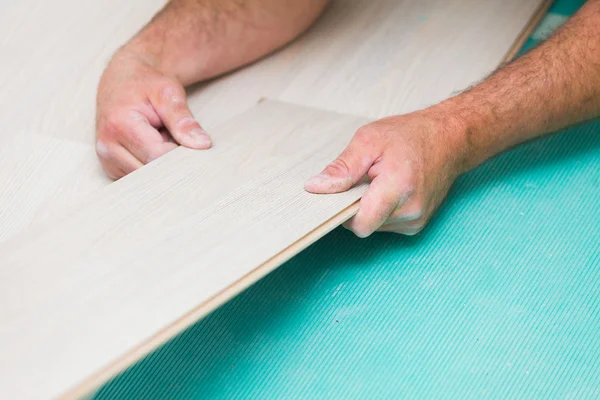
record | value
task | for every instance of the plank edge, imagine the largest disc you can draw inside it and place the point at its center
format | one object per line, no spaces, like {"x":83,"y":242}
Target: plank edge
{"x":95,"y":381}
{"x":534,"y":21}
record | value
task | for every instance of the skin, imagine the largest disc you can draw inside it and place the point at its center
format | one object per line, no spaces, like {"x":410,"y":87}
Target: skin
{"x":142,"y":111}
{"x":412,"y":160}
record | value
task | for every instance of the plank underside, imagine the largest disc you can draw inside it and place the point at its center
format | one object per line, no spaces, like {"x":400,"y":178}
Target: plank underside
{"x":146,"y":250}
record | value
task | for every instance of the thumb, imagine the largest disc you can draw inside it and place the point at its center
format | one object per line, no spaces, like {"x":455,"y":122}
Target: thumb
{"x":346,"y":170}
{"x":171,"y":106}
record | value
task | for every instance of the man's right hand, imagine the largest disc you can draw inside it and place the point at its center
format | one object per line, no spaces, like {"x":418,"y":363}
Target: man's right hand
{"x":141,"y":114}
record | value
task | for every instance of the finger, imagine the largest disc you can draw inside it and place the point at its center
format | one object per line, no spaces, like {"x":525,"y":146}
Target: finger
{"x":116,"y":160}
{"x":388,"y":191}
{"x":403,"y":228}
{"x":142,"y":140}
{"x":412,"y":210}
{"x":171,"y":106}
{"x":348,"y":168}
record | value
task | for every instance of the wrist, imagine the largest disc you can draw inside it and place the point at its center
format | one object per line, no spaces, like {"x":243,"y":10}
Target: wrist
{"x":177,"y":50}
{"x":456,"y":132}
{"x":472,"y":123}
{"x":132,"y":54}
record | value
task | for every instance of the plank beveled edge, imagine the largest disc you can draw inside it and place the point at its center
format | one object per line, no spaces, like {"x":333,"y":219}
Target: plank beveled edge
{"x":85,"y":389}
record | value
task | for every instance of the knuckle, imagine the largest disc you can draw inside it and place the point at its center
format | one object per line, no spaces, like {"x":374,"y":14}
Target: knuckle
{"x":136,"y":142}
{"x":135,"y":117}
{"x":110,"y":125}
{"x":366,"y":134}
{"x":408,"y":183}
{"x":171,"y":92}
{"x":338,"y":167}
{"x":415,"y":212}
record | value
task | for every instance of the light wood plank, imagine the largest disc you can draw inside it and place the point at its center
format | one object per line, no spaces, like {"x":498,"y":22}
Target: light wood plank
{"x":80,"y":292}
{"x":53,"y":53}
{"x":363,"y":57}
{"x":42,"y":177}
{"x":377,"y":58}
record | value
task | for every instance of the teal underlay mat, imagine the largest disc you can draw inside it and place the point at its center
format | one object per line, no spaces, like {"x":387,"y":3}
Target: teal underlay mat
{"x":499,"y":297}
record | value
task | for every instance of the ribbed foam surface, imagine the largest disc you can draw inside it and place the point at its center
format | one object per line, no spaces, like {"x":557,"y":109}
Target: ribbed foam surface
{"x":498,"y":298}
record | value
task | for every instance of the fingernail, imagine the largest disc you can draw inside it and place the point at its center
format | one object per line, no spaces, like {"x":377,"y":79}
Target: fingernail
{"x":317,"y":179}
{"x":201,"y":138}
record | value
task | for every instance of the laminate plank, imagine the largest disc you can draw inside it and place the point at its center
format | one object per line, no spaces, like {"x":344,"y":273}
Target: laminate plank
{"x":363,"y":57}
{"x":42,"y":177}
{"x":53,"y":53}
{"x":377,"y":58}
{"x":81,"y":291}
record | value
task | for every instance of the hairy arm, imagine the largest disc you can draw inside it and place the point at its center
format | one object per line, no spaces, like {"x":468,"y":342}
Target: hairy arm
{"x":142,"y":110}
{"x":193,"y":40}
{"x":555,"y":85}
{"x":413,"y":159}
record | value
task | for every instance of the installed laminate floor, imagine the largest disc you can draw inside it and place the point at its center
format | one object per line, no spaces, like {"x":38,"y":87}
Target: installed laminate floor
{"x":41,"y":178}
{"x":363,"y":57}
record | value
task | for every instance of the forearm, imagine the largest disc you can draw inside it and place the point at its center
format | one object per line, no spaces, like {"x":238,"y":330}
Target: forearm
{"x":553,"y":86}
{"x":193,"y":40}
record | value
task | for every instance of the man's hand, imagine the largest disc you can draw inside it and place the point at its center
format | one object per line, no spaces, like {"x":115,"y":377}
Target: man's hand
{"x":141,"y":105}
{"x":412,"y":161}
{"x":141,"y":115}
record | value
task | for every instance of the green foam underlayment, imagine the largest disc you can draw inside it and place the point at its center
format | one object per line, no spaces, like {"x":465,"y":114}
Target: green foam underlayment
{"x":498,"y":298}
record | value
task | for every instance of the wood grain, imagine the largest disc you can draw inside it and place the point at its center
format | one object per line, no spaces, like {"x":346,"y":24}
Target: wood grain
{"x":377,"y":58}
{"x":363,"y":57}
{"x":42,"y":177}
{"x":53,"y":54}
{"x":80,"y":292}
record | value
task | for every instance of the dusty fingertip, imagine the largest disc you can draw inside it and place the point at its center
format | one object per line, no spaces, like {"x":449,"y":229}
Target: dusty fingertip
{"x":326,"y":184}
{"x":315,"y":184}
{"x":201,"y":138}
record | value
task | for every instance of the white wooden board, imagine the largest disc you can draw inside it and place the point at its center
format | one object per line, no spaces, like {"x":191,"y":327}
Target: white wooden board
{"x":377,"y":58}
{"x":42,"y":177}
{"x":79,"y":292}
{"x":363,"y":57}
{"x":53,"y":53}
